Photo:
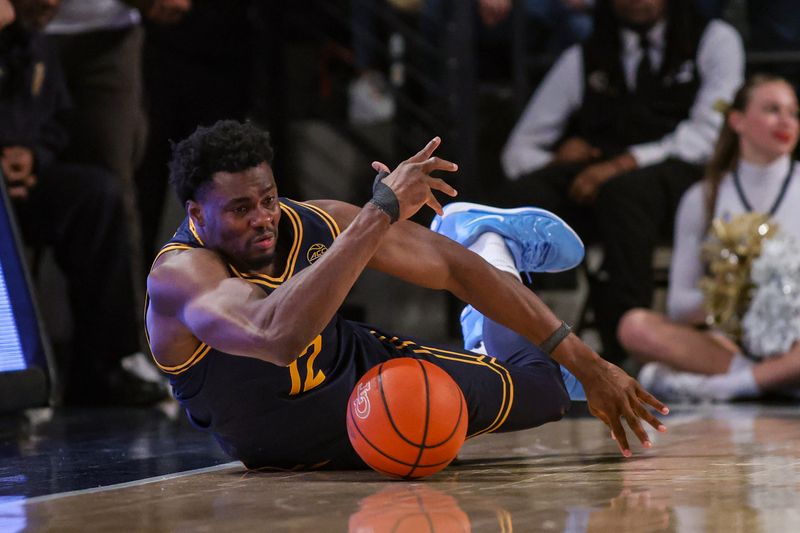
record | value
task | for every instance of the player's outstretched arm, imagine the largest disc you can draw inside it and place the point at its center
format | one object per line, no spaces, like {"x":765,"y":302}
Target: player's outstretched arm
{"x":419,"y":256}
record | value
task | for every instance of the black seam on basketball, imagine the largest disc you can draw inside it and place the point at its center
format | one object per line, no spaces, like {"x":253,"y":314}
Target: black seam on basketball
{"x":427,"y":446}
{"x":427,"y":416}
{"x":455,"y":427}
{"x":374,"y":447}
{"x":389,"y":413}
{"x":425,"y":512}
{"x":386,"y":455}
{"x":424,"y":445}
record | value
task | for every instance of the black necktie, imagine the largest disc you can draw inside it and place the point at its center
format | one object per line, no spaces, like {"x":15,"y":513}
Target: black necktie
{"x":645,"y":79}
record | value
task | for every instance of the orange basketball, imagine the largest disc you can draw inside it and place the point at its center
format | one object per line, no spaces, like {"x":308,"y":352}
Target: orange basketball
{"x":407,"y":418}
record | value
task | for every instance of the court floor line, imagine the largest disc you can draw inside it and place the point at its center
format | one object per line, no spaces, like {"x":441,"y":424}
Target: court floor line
{"x":127,"y":484}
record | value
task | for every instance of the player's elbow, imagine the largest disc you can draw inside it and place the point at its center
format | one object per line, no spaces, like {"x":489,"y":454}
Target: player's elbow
{"x":283,"y":349}
{"x":562,"y":405}
{"x":277,"y":356}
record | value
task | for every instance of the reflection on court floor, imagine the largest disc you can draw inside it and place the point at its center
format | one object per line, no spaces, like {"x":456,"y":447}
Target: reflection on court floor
{"x":719,"y":468}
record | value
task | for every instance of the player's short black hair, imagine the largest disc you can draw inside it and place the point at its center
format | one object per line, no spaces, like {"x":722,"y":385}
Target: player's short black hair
{"x":227,"y":146}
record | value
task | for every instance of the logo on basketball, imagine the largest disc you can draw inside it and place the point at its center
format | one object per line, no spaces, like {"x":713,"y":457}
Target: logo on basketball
{"x":361,"y":403}
{"x":316,"y":251}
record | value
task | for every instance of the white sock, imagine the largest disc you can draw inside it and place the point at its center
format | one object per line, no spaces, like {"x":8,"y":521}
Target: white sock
{"x":738,"y":384}
{"x":738,"y":362}
{"x":492,"y":247}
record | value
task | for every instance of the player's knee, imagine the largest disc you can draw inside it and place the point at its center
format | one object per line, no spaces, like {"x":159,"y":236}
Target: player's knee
{"x":558,"y":402}
{"x":563,"y":403}
{"x":635,"y":328}
{"x":538,"y":400}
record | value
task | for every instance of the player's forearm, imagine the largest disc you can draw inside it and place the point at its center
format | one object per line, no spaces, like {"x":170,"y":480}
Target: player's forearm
{"x":501,"y":297}
{"x":302,"y":307}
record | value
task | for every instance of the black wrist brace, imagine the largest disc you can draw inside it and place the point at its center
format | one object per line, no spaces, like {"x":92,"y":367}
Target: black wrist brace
{"x":555,"y":338}
{"x":383,"y":198}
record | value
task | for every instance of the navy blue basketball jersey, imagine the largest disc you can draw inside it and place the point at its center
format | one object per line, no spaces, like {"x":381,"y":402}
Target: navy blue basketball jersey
{"x":246,"y":402}
{"x":292,"y":417}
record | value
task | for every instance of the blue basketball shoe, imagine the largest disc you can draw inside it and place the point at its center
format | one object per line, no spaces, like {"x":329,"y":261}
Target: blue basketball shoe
{"x":539,"y":240}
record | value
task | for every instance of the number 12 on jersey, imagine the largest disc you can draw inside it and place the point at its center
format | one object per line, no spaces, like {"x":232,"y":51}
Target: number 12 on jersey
{"x":313,"y":378}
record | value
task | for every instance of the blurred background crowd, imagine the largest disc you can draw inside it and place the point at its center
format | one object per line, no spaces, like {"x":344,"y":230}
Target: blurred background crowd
{"x":603,"y":111}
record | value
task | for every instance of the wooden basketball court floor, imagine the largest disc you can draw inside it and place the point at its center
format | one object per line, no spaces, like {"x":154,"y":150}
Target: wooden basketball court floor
{"x":727,"y":468}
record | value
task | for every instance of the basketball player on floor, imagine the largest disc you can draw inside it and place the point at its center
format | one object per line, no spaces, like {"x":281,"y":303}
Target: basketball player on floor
{"x":242,"y":308}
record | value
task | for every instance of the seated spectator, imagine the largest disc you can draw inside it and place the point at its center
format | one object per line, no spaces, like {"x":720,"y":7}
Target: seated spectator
{"x":99,"y":46}
{"x":618,"y":130}
{"x":751,"y":171}
{"x":76,"y":209}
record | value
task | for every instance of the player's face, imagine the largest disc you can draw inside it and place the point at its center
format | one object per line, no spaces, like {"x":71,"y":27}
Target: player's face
{"x":639,"y":13}
{"x":768,"y":126}
{"x":238,"y":216}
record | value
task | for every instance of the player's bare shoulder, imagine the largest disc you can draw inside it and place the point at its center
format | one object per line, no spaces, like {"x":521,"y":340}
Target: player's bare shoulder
{"x":180,"y":275}
{"x":342,"y":212}
{"x":178,"y":278}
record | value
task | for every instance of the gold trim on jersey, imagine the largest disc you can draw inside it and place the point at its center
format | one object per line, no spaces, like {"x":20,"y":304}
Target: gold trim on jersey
{"x":196,"y":235}
{"x":329,"y":220}
{"x":291,"y":260}
{"x":198,"y":354}
{"x":507,"y":400}
{"x":169,"y":247}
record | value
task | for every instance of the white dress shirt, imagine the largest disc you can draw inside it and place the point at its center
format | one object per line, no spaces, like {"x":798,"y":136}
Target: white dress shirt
{"x":79,"y":16}
{"x":720,"y":63}
{"x":761,"y":187}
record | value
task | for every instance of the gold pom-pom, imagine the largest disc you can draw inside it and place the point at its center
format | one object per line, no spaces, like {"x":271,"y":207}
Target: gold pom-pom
{"x":729,"y":253}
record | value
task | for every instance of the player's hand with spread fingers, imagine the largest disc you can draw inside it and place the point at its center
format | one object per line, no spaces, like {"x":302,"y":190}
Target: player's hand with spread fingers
{"x":412,"y":182}
{"x":614,"y":396}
